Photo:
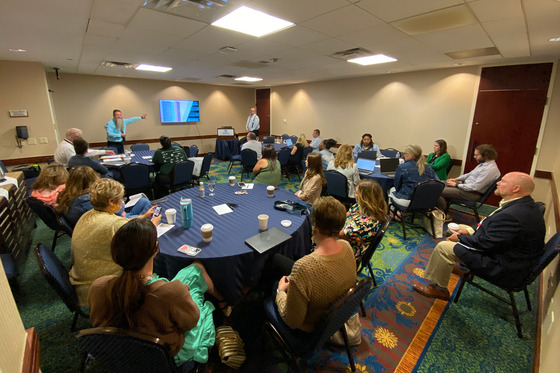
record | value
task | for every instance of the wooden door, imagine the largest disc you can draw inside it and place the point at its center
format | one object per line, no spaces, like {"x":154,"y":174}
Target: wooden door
{"x":508,"y":115}
{"x":263,"y":111}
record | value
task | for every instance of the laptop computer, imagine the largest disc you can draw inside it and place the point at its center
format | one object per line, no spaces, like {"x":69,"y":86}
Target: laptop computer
{"x":268,"y":140}
{"x":365,"y":166}
{"x":369,"y":154}
{"x":289,"y":142}
{"x":389,"y":166}
{"x":268,"y":239}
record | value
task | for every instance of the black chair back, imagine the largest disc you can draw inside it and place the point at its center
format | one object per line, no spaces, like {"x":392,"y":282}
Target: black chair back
{"x":193,"y":151}
{"x":365,"y":259}
{"x":139,"y":147}
{"x":551,"y":249}
{"x":285,"y":136}
{"x":3,"y":167}
{"x":206,"y":163}
{"x":306,"y":152}
{"x":489,"y":191}
{"x":284,"y":156}
{"x":390,"y":153}
{"x":425,"y":196}
{"x":57,"y":276}
{"x":118,"y":350}
{"x":176,"y":144}
{"x":337,"y":184}
{"x":136,"y":178}
{"x":51,"y":219}
{"x":449,"y":167}
{"x":248,"y":160}
{"x":294,"y":139}
{"x":182,"y":174}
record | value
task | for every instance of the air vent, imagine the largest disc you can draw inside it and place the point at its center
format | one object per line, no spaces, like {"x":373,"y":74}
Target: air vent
{"x":226,"y":76}
{"x":126,"y":65}
{"x":351,"y":53}
{"x":227,"y":50}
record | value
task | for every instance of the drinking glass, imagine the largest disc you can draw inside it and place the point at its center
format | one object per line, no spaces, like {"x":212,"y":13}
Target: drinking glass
{"x":211,"y":185}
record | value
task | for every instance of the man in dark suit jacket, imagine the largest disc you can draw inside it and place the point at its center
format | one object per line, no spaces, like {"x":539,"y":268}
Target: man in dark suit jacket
{"x":504,"y":248}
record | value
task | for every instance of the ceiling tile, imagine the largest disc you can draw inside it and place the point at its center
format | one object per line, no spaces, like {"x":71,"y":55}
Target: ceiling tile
{"x":347,"y":19}
{"x":149,"y":37}
{"x":103,"y":28}
{"x":462,"y":38}
{"x":373,"y":35}
{"x":212,"y":38}
{"x":393,"y":10}
{"x":296,"y":36}
{"x":151,"y":20}
{"x":112,"y":11}
{"x":296,"y":10}
{"x":492,"y":10}
{"x":98,"y":40}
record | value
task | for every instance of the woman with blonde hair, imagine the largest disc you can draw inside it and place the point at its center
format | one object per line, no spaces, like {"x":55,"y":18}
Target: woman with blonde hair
{"x":314,"y":180}
{"x":91,"y":240}
{"x":414,"y":170}
{"x":50,"y":182}
{"x":344,"y":163}
{"x":296,"y":154}
{"x":365,"y":217}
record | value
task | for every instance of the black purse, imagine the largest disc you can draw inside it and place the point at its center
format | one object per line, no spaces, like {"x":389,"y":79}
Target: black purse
{"x":291,"y":207}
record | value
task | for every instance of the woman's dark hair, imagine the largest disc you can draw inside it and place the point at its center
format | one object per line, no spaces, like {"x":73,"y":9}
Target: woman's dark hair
{"x":132,"y":246}
{"x":442,"y":147}
{"x":329,"y":143}
{"x":328,"y":216}
{"x":487,"y":151}
{"x":269,"y":153}
{"x":366,"y":135}
{"x":80,"y":146}
{"x":165,"y":142}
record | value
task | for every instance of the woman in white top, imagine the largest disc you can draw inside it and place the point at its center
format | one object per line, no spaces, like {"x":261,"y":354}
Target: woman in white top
{"x":344,"y":163}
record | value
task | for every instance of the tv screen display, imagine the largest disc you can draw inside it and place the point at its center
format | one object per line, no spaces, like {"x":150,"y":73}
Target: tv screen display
{"x":179,"y":111}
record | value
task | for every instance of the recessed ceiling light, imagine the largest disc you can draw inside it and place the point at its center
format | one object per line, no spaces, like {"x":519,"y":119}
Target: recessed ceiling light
{"x":159,"y":69}
{"x":372,"y":60}
{"x":248,"y":79}
{"x":17,"y":50}
{"x":554,"y":39}
{"x":458,"y":64}
{"x":252,"y":22}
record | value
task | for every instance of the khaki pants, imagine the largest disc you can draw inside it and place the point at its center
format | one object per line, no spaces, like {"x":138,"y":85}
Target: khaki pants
{"x":441,"y":263}
{"x":453,"y":192}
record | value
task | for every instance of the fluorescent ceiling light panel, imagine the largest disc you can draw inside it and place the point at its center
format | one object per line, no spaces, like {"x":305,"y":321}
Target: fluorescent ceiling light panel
{"x":248,"y":79}
{"x":159,"y":69}
{"x":252,"y":22}
{"x":372,"y":60}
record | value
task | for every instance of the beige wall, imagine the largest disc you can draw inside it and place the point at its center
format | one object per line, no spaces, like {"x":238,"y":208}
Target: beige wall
{"x":23,"y":86}
{"x":398,"y":109}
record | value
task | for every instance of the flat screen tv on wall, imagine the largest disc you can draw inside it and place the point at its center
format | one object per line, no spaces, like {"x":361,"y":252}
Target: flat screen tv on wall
{"x":179,"y":111}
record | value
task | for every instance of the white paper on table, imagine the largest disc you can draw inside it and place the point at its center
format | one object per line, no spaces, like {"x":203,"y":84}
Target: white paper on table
{"x":222,"y":209}
{"x":133,"y":199}
{"x":9,"y":180}
{"x":112,"y":157}
{"x":4,"y":193}
{"x":163,"y":228}
{"x":248,"y":186}
{"x":147,"y":157}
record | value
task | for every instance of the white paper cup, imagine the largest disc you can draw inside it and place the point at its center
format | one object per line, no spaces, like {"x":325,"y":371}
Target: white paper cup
{"x":170,"y":215}
{"x":453,"y":226}
{"x":206,"y":231}
{"x":126,"y":160}
{"x":263,"y":222}
{"x":231,"y":180}
{"x":270,"y":191}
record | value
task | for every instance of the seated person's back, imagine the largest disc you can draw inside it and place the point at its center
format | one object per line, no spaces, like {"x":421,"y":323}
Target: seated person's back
{"x":80,"y":159}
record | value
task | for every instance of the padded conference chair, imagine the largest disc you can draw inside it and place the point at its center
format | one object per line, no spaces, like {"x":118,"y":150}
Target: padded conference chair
{"x":193,"y":151}
{"x":365,"y":260}
{"x":181,"y":176}
{"x":136,"y":179}
{"x":390,"y":152}
{"x":110,"y":148}
{"x":283,"y":158}
{"x":3,"y":167}
{"x":337,"y":186}
{"x":11,"y":271}
{"x":50,"y":218}
{"x":474,"y":205}
{"x":306,"y":152}
{"x":139,"y":147}
{"x":107,"y":349}
{"x":248,"y":161}
{"x":176,"y":144}
{"x":57,"y":276}
{"x":295,"y":342}
{"x":204,"y":168}
{"x":423,"y":200}
{"x":285,"y":136}
{"x":551,"y":249}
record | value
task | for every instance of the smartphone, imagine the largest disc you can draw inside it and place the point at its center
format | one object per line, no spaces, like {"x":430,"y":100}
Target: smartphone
{"x":189,"y":250}
{"x":156,"y":212}
{"x":241,"y":184}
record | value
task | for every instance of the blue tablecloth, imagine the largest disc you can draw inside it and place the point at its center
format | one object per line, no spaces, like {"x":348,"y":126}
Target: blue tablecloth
{"x":231,"y":264}
{"x":386,"y":182}
{"x":226,"y":148}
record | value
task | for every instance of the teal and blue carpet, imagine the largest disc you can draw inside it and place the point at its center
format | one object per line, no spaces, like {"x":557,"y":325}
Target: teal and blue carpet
{"x":403,"y":331}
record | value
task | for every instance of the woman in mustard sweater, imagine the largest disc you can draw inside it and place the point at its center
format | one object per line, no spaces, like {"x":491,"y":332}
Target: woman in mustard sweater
{"x":440,"y":160}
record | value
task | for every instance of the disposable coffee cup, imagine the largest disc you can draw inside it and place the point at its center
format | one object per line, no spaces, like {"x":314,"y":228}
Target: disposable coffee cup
{"x":206,"y":231}
{"x":231,"y":180}
{"x":126,"y":160}
{"x":170,"y":215}
{"x":453,"y":226}
{"x":263,"y":222}
{"x":270,"y":191}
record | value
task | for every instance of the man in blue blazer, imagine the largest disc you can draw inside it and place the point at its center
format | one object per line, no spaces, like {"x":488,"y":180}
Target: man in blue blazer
{"x":503,"y":249}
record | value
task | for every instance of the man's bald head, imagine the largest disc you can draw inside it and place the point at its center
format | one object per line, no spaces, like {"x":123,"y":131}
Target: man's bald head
{"x":72,"y":133}
{"x":525,"y":182}
{"x":515,"y":185}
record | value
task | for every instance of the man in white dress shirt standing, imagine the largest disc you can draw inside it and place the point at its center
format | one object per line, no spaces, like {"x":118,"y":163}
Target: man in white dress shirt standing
{"x":253,"y":122}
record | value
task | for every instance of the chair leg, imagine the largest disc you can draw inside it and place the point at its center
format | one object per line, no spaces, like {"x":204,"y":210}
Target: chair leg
{"x":54,"y":240}
{"x":515,"y":314}
{"x":363,"y":309}
{"x":527,"y":298}
{"x":74,"y":321}
{"x":462,"y":280}
{"x":475,"y":210}
{"x":433,"y":228}
{"x":371,"y":274}
{"x":348,"y":350}
{"x":403,"y":227}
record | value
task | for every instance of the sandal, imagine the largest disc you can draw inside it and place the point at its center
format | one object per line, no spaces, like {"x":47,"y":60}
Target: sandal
{"x":225,"y":308}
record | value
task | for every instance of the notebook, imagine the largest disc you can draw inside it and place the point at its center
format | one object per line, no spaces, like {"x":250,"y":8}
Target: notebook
{"x":266,"y":240}
{"x":289,"y":142}
{"x":389,"y":166}
{"x":365,"y":166}
{"x":369,"y":154}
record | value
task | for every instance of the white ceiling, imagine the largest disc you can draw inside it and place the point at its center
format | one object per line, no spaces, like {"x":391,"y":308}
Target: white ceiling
{"x":77,"y":35}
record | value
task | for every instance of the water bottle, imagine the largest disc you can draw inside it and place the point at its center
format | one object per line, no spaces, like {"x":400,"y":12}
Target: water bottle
{"x":186,"y":212}
{"x":201,"y":190}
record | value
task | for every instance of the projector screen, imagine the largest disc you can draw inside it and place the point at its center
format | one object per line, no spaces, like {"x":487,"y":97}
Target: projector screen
{"x":179,"y":111}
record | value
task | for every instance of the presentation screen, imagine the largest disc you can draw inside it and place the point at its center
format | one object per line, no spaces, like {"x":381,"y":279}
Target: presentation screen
{"x":179,"y":111}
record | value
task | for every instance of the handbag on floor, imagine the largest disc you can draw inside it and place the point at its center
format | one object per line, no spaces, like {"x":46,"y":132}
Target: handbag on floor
{"x":438,"y":217}
{"x":353,"y":331}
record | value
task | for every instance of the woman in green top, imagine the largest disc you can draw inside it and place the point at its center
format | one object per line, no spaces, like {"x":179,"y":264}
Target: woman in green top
{"x":440,"y":160}
{"x":268,"y":170}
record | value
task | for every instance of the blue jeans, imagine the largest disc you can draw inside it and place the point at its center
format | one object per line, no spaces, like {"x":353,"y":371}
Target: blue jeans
{"x":140,"y":208}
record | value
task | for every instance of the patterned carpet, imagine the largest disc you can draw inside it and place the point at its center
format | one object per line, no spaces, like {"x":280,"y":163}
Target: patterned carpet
{"x":475,"y":335}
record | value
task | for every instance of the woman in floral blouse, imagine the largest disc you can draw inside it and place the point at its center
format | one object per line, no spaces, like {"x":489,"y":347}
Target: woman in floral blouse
{"x":364,"y":218}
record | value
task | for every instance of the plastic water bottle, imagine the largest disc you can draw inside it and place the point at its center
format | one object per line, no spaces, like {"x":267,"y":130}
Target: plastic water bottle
{"x":201,"y":190}
{"x":187,"y":212}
